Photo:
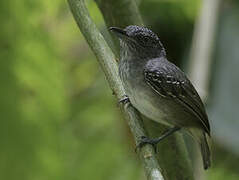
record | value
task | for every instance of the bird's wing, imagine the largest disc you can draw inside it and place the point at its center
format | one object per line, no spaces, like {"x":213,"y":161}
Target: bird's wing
{"x":170,"y":82}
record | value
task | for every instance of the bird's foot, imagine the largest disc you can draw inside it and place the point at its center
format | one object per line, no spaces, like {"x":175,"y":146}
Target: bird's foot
{"x":124,"y":100}
{"x":154,"y":141}
{"x":145,"y":140}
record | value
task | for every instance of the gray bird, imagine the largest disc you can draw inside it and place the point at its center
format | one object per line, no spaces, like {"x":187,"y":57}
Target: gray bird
{"x":159,"y":89}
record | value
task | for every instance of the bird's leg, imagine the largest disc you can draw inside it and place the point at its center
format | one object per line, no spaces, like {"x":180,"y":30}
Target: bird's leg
{"x":124,"y":100}
{"x":154,"y":141}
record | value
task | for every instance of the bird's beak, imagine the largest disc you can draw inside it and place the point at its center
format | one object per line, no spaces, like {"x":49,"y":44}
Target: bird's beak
{"x":119,"y":32}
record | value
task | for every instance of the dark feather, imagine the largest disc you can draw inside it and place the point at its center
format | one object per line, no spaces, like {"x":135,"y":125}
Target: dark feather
{"x":170,"y":82}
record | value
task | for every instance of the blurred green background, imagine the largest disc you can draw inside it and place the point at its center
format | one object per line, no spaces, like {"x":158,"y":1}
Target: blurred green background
{"x":59,"y":119}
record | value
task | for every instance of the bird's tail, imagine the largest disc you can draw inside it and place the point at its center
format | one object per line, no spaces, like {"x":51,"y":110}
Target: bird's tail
{"x":201,"y":138}
{"x":205,"y":151}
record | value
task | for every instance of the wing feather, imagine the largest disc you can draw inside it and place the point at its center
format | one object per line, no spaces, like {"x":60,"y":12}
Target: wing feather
{"x":171,"y":82}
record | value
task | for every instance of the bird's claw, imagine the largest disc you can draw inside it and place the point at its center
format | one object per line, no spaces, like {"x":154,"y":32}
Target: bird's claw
{"x":145,"y":140}
{"x":124,"y":100}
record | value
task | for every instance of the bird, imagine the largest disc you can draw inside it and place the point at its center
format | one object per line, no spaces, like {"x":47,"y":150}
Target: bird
{"x":160,"y":90}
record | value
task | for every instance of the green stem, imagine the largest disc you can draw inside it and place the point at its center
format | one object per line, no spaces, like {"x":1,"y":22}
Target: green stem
{"x":107,"y":61}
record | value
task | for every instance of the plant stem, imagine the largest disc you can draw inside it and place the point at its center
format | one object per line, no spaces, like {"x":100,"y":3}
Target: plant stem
{"x":108,"y":64}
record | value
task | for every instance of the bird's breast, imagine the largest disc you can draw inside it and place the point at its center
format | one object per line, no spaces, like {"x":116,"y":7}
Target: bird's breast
{"x":140,"y":93}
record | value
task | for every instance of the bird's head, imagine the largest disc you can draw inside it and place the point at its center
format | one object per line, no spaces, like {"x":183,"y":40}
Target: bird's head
{"x":139,"y":41}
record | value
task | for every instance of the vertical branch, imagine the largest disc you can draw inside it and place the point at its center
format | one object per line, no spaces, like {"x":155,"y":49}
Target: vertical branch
{"x":202,"y":45}
{"x":120,"y":13}
{"x":200,"y":57}
{"x":172,"y":155}
{"x":107,"y":61}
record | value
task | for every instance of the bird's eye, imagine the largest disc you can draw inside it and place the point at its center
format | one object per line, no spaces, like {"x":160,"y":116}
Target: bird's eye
{"x":146,"y":40}
{"x":143,"y":40}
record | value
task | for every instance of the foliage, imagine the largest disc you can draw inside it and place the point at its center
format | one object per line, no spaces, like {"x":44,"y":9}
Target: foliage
{"x":58,"y":117}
